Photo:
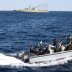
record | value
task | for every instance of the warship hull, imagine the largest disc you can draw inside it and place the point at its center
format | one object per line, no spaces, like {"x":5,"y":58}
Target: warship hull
{"x":32,"y":10}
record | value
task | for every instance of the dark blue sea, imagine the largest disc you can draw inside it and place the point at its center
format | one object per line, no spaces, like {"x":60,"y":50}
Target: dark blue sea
{"x":19,"y":31}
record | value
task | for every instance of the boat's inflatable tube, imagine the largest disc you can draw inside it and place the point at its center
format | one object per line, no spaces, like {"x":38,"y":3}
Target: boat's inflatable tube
{"x":50,"y":57}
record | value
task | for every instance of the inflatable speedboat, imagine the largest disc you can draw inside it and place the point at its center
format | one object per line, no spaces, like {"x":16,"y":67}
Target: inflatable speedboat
{"x":32,"y":58}
{"x":57,"y":51}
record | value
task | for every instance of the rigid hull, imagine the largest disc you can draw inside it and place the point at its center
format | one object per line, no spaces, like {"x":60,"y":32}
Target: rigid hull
{"x":31,"y":10}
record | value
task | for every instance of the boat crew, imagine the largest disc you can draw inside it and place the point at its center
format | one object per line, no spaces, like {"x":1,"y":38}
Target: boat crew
{"x":55,"y":41}
{"x":69,"y":39}
{"x":50,"y":48}
{"x":40,"y":45}
{"x":56,"y":44}
{"x":37,"y":50}
{"x":69,"y":42}
{"x":61,"y":47}
{"x":69,"y":46}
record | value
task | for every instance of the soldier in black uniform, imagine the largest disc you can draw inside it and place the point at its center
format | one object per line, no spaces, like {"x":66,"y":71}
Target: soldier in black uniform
{"x":55,"y":43}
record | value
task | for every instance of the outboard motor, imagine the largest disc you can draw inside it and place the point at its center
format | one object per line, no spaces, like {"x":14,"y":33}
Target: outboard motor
{"x":22,"y":56}
{"x":26,"y":58}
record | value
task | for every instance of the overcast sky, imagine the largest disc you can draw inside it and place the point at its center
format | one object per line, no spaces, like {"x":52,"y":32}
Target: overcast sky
{"x":51,"y":5}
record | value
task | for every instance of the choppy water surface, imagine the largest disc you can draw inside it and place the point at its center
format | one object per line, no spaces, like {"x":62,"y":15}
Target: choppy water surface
{"x":18,"y":31}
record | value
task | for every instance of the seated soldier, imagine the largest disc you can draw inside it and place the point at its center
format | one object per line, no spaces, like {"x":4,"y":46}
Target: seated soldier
{"x":40,"y":45}
{"x":69,"y":42}
{"x":55,"y":41}
{"x":56,"y":44}
{"x":69,"y":39}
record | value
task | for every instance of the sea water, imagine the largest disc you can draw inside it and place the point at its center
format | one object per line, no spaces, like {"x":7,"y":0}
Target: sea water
{"x":19,"y":31}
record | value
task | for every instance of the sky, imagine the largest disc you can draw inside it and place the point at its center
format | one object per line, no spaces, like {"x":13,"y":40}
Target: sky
{"x":51,"y":5}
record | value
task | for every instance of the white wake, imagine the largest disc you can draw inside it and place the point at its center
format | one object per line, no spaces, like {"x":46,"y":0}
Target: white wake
{"x":7,"y":60}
